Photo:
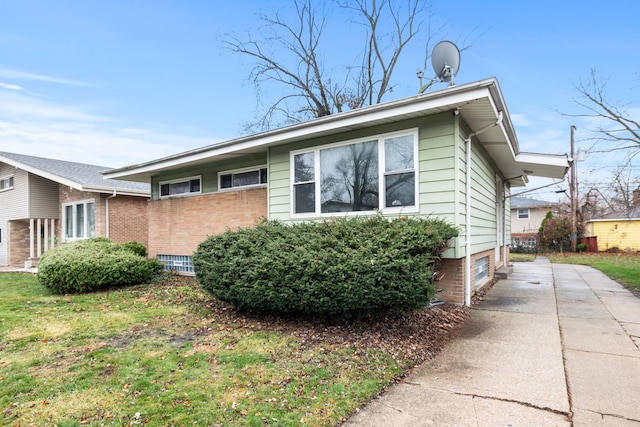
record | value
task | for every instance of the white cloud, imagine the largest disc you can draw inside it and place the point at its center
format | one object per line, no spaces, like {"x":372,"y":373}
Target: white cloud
{"x":10,"y":86}
{"x":9,"y":73}
{"x":32,"y":125}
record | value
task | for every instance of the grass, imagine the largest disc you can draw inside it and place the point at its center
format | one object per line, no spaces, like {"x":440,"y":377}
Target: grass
{"x":623,"y":268}
{"x":154,"y":355}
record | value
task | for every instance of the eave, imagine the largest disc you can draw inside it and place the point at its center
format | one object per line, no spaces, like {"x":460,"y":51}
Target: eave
{"x":478,"y":103}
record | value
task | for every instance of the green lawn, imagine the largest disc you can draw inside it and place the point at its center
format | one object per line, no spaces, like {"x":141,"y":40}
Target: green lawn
{"x":161,"y":354}
{"x":623,"y":268}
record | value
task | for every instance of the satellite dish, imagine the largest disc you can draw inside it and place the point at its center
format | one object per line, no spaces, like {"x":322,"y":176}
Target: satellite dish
{"x":445,"y":60}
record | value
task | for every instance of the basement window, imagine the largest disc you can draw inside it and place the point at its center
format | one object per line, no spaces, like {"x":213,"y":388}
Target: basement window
{"x":482,"y":268}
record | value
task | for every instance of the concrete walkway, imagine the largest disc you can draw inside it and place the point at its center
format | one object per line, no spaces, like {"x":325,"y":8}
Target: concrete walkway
{"x":553,"y":345}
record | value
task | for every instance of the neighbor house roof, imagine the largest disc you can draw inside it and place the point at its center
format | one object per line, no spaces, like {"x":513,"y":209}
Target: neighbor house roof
{"x":80,"y":176}
{"x":527,"y":203}
{"x":632,"y":214}
{"x":480,"y":104}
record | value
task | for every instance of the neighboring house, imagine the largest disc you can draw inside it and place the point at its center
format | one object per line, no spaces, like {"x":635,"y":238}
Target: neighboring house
{"x":527,"y":214}
{"x":526,"y":218}
{"x":617,"y":230}
{"x":44,"y":202}
{"x":451,"y":153}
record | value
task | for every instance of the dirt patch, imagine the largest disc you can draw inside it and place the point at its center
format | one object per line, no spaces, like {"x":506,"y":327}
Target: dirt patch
{"x":415,"y":337}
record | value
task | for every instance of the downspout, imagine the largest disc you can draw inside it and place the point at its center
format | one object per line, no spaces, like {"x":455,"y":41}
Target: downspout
{"x":107,"y":212}
{"x":467,"y":244}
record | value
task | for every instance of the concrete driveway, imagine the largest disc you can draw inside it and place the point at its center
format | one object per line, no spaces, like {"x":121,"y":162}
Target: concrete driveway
{"x":553,"y":345}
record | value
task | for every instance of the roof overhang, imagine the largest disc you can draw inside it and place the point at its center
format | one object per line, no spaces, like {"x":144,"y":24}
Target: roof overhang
{"x":70,"y":183}
{"x":479,"y":104}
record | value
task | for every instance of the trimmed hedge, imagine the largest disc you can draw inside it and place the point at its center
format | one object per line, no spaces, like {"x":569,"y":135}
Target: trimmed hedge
{"x":88,"y":265}
{"x":332,"y":270}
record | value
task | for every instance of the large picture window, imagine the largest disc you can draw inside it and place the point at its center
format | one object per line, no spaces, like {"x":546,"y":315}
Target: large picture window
{"x":365,"y":175}
{"x":180,"y":187}
{"x":78,"y":220}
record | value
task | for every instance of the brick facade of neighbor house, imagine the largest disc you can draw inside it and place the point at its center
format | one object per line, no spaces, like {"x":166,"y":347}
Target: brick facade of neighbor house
{"x":177,"y":225}
{"x":18,"y":242}
{"x":128,"y":219}
{"x":71,"y":195}
{"x":127,"y":215}
{"x":451,"y":272}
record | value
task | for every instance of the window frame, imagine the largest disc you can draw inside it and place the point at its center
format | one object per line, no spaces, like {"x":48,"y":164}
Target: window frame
{"x":522,"y":217}
{"x":382,"y":175}
{"x":240,"y":171}
{"x":86,"y":222}
{"x":177,"y":181}
{"x":11,"y":182}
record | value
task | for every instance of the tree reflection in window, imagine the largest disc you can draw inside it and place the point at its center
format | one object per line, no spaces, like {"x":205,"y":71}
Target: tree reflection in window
{"x":349,"y":177}
{"x":399,"y":173}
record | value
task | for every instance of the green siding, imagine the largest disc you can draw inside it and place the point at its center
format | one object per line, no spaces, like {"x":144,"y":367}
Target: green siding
{"x":208,"y":172}
{"x":483,"y":201}
{"x":436,"y":163}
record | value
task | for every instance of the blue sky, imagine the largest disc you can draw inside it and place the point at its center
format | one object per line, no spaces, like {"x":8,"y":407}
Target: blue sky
{"x":122,"y":82}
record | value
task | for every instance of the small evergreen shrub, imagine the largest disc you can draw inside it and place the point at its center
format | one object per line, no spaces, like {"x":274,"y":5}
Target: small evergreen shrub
{"x":92,"y":264}
{"x":332,"y":270}
{"x":135,"y":247}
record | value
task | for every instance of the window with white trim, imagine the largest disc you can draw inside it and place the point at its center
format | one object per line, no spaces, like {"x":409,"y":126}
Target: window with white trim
{"x":242,"y":178}
{"x":523,"y":213}
{"x":6,"y":183}
{"x":180,"y":187}
{"x":79,"y":220}
{"x":355,"y":176}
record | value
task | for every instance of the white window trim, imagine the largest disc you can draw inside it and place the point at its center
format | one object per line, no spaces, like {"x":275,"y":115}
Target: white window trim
{"x":381,"y":175}
{"x":173,"y":181}
{"x":86,"y":223}
{"x":8,"y":188}
{"x":242,"y":170}
{"x":518,"y":214}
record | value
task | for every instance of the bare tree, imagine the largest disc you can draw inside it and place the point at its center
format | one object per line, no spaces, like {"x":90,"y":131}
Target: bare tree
{"x":614,"y":123}
{"x":290,"y":54}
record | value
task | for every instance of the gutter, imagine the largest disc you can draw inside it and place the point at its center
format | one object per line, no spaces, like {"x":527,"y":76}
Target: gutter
{"x":107,"y":212}
{"x":467,"y":243}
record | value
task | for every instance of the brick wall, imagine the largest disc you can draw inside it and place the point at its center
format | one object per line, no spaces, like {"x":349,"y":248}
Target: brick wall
{"x":18,"y":242}
{"x":177,"y":225}
{"x":452,"y":271}
{"x":128,"y":219}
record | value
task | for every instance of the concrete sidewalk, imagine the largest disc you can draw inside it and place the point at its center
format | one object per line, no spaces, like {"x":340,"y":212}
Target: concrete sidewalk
{"x":553,"y":345}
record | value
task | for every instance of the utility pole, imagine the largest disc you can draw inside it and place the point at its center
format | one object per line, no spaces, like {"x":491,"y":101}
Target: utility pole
{"x":573,"y":189}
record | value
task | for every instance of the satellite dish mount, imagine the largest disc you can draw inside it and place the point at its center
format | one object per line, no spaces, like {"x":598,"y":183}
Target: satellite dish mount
{"x":445,"y":59}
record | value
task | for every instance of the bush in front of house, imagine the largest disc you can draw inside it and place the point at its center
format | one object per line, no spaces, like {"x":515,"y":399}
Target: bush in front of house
{"x":92,"y":264}
{"x":135,"y":247}
{"x":332,"y":270}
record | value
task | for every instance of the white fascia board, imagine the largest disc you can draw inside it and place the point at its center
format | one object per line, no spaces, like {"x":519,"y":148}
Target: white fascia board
{"x":613,"y":220}
{"x":118,"y":191}
{"x":377,"y":114}
{"x":44,"y":174}
{"x":559,"y":160}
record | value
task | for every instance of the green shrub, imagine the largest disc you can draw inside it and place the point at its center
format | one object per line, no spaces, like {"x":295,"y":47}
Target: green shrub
{"x":135,"y":247}
{"x":332,"y":270}
{"x":92,"y":264}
